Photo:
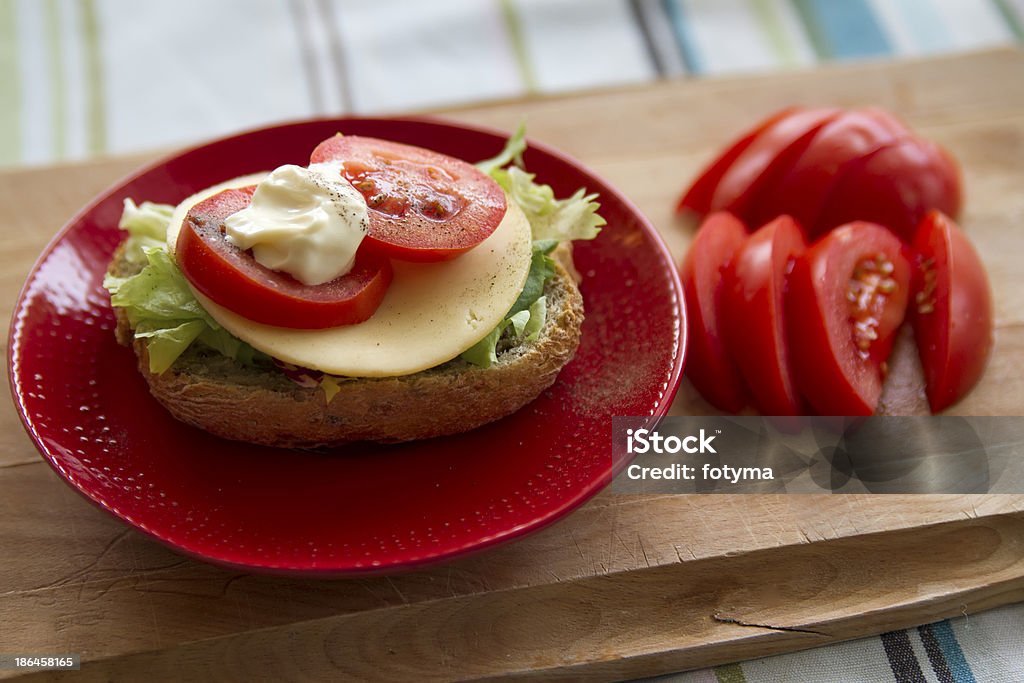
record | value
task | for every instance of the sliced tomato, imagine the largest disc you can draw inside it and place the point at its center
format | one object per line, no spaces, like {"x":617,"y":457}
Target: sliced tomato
{"x":803,"y":189}
{"x":704,"y":272}
{"x":847,"y":297}
{"x":887,"y":121}
{"x":424,"y":206}
{"x":698,"y":196}
{"x":766,"y":158}
{"x":232,"y":278}
{"x":951,"y":312}
{"x":895,"y":186}
{"x":754,"y":315}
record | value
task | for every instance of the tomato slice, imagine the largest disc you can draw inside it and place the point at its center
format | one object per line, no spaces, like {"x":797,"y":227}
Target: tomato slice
{"x":802,"y":191}
{"x":770,"y":155}
{"x":847,"y":297}
{"x":232,"y":278}
{"x":753,"y":311}
{"x":698,"y":196}
{"x":424,"y":206}
{"x":886,"y":120}
{"x":951,"y":311}
{"x":703,"y":272}
{"x":895,"y":186}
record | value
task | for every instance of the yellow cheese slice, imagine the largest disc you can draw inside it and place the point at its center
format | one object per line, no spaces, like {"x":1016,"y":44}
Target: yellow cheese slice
{"x":431,"y":313}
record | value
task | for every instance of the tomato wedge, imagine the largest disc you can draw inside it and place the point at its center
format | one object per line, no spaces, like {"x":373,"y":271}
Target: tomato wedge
{"x":895,"y":186}
{"x":847,"y":297}
{"x":755,"y":319}
{"x":888,"y":121}
{"x":805,"y":187}
{"x":951,"y":312}
{"x":698,"y":197}
{"x":424,"y":206}
{"x":232,"y":278}
{"x":768,"y":156}
{"x":703,"y":272}
{"x":826,"y":167}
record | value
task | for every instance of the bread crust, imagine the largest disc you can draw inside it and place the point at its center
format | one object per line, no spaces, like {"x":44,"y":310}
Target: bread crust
{"x":262,"y":406}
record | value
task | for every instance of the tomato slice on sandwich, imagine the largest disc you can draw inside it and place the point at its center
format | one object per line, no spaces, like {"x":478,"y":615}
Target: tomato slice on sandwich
{"x":424,"y":206}
{"x":234,"y":279}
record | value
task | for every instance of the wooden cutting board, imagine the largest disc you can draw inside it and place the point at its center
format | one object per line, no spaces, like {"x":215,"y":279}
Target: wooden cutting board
{"x":626,"y":586}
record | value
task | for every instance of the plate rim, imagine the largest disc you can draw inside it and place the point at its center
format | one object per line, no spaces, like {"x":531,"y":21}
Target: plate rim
{"x":15,"y":348}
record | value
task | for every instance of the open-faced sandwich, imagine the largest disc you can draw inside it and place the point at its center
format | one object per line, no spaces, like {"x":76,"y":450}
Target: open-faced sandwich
{"x":383,"y":292}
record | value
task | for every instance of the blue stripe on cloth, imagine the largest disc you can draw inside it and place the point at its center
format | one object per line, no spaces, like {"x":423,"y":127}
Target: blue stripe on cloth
{"x":684,"y":36}
{"x":847,"y":29}
{"x":924,"y":25}
{"x":954,"y":655}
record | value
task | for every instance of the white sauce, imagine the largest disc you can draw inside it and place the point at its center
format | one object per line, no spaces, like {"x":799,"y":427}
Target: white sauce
{"x":307,"y":222}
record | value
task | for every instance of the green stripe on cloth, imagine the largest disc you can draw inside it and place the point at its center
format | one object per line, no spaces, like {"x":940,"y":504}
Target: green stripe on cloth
{"x":58,"y":84}
{"x":1010,"y":17}
{"x":96,"y":113}
{"x":515,"y":35}
{"x":10,"y":86}
{"x":819,"y":41}
{"x":767,"y":13}
{"x":730,"y":673}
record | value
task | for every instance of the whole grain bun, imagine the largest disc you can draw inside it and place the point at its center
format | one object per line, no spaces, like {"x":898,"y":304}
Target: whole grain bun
{"x":261,"y":405}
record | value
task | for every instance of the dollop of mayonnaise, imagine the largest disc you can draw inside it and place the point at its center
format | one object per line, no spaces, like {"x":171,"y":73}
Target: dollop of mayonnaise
{"x":307,"y":222}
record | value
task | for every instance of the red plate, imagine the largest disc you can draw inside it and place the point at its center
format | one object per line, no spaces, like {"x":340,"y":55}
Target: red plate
{"x":362,"y":508}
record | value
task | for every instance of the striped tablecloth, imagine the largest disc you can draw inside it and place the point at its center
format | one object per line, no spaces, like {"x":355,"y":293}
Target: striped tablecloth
{"x":87,"y":77}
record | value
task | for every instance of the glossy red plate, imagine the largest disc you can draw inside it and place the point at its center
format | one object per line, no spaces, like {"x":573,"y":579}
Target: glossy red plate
{"x":362,"y":508}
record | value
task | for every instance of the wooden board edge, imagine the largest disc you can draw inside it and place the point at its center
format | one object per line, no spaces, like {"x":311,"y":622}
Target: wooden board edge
{"x":650,"y":621}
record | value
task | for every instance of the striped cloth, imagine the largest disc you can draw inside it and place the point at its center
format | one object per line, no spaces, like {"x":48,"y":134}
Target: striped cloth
{"x":87,"y":77}
{"x":983,"y":648}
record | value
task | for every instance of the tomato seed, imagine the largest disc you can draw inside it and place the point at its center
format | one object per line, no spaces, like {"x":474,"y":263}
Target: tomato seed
{"x":867,"y":293}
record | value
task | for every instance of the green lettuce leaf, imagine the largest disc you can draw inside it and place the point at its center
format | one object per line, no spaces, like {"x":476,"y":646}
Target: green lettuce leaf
{"x":538,"y":316}
{"x":165,"y":344}
{"x":574,"y":218}
{"x":512,"y":154}
{"x":542,"y":268}
{"x":485,"y":352}
{"x":522,"y":319}
{"x":551,"y":221}
{"x":158,"y":292}
{"x":158,"y":301}
{"x":146,"y":225}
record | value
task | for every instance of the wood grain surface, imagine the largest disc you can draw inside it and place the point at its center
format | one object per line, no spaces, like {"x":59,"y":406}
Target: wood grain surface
{"x":627,"y":585}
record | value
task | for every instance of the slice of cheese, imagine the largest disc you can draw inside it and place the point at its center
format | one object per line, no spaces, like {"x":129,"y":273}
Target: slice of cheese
{"x":430,"y":314}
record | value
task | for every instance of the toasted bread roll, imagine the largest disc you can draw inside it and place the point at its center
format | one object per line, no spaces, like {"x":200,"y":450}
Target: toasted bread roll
{"x":261,"y":405}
